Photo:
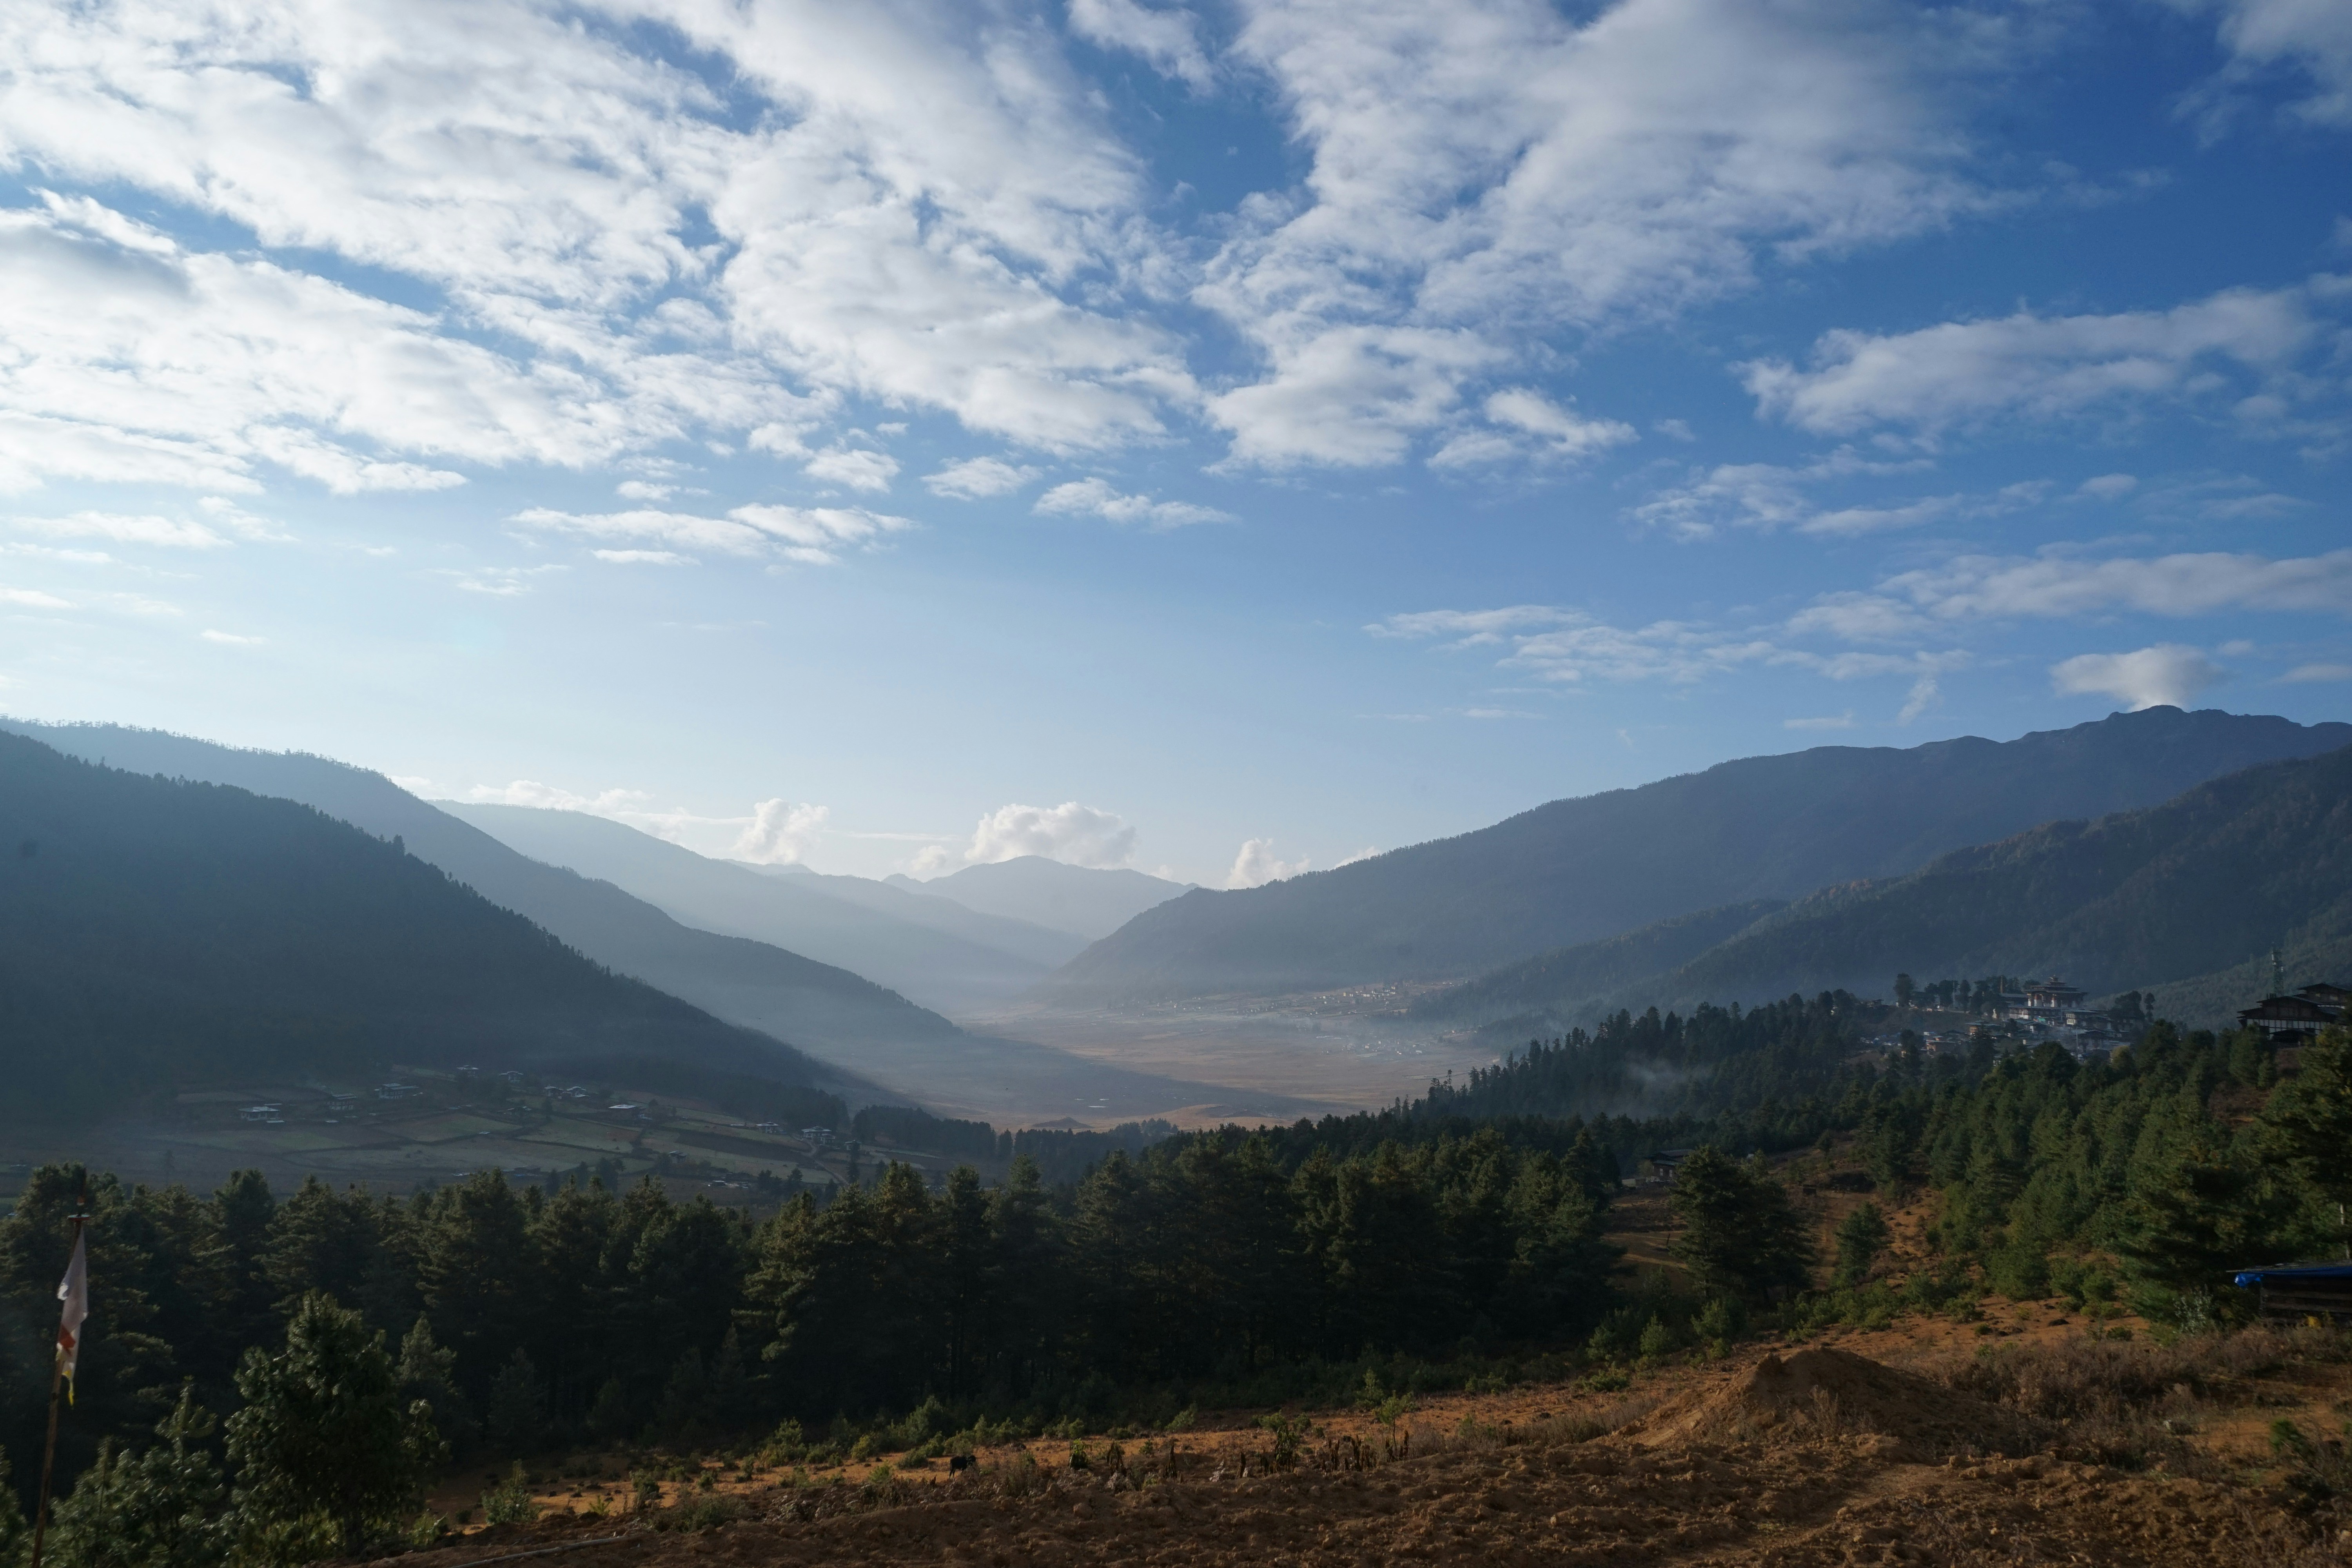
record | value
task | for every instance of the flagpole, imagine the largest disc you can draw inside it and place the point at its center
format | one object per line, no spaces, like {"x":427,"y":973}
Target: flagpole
{"x":57,"y":1382}
{"x":49,"y":1455}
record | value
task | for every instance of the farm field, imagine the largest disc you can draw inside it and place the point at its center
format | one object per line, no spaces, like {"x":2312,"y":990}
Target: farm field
{"x":442,"y":1131}
{"x":1296,"y":1055}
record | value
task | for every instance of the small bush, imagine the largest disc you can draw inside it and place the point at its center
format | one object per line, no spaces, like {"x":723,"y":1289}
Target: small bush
{"x":1020,"y":1477}
{"x":697,"y":1513}
{"x":509,"y":1502}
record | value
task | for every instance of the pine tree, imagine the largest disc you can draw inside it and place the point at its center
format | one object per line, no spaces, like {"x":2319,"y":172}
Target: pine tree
{"x":2310,"y":1119}
{"x":2194,"y":1216}
{"x":516,"y":1412}
{"x":16,"y":1536}
{"x":324,"y":1433}
{"x":1739,"y":1236}
{"x":163,"y":1508}
{"x":1861,"y":1236}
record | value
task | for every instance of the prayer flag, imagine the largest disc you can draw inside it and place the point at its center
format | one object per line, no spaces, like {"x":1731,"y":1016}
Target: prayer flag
{"x":74,"y":1291}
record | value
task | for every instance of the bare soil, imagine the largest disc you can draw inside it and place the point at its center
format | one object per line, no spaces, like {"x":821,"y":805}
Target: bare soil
{"x":1937,"y":1450}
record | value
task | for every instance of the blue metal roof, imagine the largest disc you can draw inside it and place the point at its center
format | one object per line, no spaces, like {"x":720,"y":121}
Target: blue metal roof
{"x":2253,"y":1277}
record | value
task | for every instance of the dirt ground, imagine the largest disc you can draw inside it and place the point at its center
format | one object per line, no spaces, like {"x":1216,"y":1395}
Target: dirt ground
{"x":1867,"y":1448}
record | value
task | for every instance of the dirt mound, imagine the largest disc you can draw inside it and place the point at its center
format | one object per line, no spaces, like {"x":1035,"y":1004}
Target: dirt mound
{"x":1823,"y":1393}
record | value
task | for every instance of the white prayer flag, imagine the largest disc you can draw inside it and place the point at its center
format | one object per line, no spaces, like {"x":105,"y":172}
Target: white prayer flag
{"x":74,"y":1291}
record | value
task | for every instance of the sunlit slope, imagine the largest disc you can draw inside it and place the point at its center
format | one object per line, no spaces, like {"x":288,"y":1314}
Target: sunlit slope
{"x":1581,"y":870}
{"x":155,"y":932}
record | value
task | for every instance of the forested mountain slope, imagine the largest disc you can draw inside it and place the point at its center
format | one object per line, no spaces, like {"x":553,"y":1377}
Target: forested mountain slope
{"x":814,"y":1004}
{"x":937,"y":952}
{"x":1593,"y":970}
{"x":2157,"y":899}
{"x":1578,"y":870}
{"x":155,"y":932}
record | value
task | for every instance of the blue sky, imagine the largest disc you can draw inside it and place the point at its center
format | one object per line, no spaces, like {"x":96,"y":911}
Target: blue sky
{"x":1218,"y":439}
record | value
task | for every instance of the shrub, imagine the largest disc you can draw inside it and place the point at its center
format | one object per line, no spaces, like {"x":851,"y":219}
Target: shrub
{"x":700,"y":1513}
{"x":509,"y":1502}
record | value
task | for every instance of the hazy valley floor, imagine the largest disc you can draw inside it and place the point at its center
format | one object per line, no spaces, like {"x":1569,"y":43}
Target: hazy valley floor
{"x":1273,"y":1056}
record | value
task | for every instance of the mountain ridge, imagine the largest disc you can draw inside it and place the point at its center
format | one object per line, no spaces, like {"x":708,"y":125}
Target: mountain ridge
{"x":157,"y":930}
{"x":1583,"y":870}
{"x":755,"y":985}
{"x":937,"y":952}
{"x":2185,"y":898}
{"x":1089,"y":902}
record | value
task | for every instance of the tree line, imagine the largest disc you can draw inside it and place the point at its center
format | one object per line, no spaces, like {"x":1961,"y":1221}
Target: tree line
{"x":520,"y":1318}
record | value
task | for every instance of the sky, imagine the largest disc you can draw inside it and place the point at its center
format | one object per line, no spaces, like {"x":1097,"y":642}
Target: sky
{"x":1223,"y":440}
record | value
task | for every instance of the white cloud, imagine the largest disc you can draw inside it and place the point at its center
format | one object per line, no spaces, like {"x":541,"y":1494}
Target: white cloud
{"x":2166,"y":675}
{"x":1071,"y":833}
{"x":1255,"y":865}
{"x":169,"y":532}
{"x":1469,"y":627}
{"x":1095,"y":497}
{"x":1522,"y":422}
{"x":599,"y":244}
{"x":2032,"y":367}
{"x":343,"y":471}
{"x":32,"y":599}
{"x":1569,"y":647}
{"x":975,"y":479}
{"x":150,"y":363}
{"x":1769,"y":496}
{"x":859,"y":467}
{"x":924,"y":206}
{"x":232,"y":639}
{"x":2058,"y":585}
{"x":1927,"y":693}
{"x":644,"y":490}
{"x":2263,"y":34}
{"x":1488,"y":170}
{"x":814,"y":536}
{"x":781,"y":832}
{"x":2318,"y":672}
{"x":1835,"y":721}
{"x":552,"y":797}
{"x":642,"y":557}
{"x":497,"y":582}
{"x":1170,"y":39}
{"x":2108,"y":487}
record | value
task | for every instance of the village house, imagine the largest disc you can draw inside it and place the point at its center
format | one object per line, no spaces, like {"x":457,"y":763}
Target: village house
{"x":2295,"y":1020}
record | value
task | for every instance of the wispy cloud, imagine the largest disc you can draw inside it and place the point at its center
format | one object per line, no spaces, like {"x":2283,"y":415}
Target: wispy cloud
{"x":1097,"y":498}
{"x":812,"y":536}
{"x":975,"y":478}
{"x":2059,"y":584}
{"x":2038,"y":367}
